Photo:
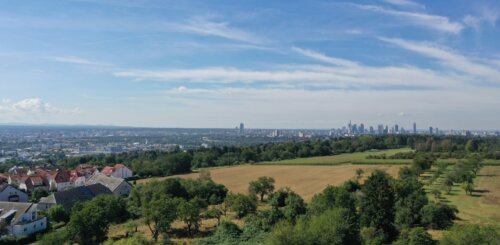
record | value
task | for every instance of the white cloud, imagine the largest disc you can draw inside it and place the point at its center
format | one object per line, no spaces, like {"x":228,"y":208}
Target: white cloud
{"x":31,"y":106}
{"x":449,"y":58}
{"x":436,"y":22}
{"x":324,"y":58}
{"x":405,"y":3}
{"x":303,"y":76}
{"x":206,"y":25}
{"x":77,"y":60}
{"x":487,"y":16}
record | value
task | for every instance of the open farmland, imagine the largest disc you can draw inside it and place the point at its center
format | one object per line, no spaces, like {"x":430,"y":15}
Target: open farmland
{"x":305,"y":180}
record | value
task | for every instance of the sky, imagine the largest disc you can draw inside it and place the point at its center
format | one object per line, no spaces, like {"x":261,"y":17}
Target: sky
{"x":268,"y":64}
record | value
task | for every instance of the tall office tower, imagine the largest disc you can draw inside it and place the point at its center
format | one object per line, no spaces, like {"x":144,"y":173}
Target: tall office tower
{"x":414,"y":128}
{"x":242,"y":128}
{"x":396,"y":128}
{"x":349,"y":127}
{"x":380,"y":129}
{"x":386,"y":130}
{"x":431,"y":131}
{"x":372,"y":131}
{"x":437,"y":131}
{"x":354,"y":129}
{"x":361,"y":128}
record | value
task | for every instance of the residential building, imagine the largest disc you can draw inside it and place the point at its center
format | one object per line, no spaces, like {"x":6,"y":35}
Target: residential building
{"x":70,"y":197}
{"x":118,"y":186}
{"x":22,"y":218}
{"x":118,"y":171}
{"x":32,"y":182}
{"x":9,"y":193}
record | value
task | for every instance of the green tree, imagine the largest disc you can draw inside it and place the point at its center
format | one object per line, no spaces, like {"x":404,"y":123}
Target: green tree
{"x":159,"y":214}
{"x":57,"y":213}
{"x":241,"y":204}
{"x":414,"y":236}
{"x":466,"y":234}
{"x":377,"y":204}
{"x":359,"y":173}
{"x":438,"y":215}
{"x":214,"y":213}
{"x":37,"y":194}
{"x":329,"y":228}
{"x":423,"y":161}
{"x":189,"y":213}
{"x":468,"y":188}
{"x":262,"y":186}
{"x":447,"y":184}
{"x":88,"y":224}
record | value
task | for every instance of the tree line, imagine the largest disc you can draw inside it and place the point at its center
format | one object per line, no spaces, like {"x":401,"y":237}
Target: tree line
{"x":156,"y":163}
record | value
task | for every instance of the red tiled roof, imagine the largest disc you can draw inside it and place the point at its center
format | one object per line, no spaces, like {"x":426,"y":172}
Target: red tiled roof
{"x":108,"y":170}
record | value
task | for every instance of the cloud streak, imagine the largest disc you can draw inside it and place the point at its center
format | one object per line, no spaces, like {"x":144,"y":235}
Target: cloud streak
{"x":206,"y":25}
{"x":449,"y":58}
{"x":436,"y":22}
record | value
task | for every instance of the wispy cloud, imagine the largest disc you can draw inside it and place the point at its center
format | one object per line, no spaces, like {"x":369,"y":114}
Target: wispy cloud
{"x":208,"y":25}
{"x":449,"y":58}
{"x":405,"y":3}
{"x":487,"y":16}
{"x":324,"y":58}
{"x":305,"y":76}
{"x":436,"y":22}
{"x":69,"y":59}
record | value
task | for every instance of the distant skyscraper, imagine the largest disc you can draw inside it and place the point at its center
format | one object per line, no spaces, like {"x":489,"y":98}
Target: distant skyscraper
{"x":414,"y":128}
{"x":437,"y":131}
{"x":396,"y":128}
{"x":361,"y":128}
{"x":242,"y":128}
{"x":380,"y":129}
{"x":386,"y":130}
{"x":431,"y":131}
{"x":372,"y":131}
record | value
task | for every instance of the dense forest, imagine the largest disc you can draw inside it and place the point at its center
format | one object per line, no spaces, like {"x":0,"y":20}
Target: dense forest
{"x":154,"y":163}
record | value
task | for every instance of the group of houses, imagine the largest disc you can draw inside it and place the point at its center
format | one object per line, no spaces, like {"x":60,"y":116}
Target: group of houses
{"x":68,"y":187}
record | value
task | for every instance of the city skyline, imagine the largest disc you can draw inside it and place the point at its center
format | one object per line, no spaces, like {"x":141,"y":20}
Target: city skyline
{"x":213,"y":64}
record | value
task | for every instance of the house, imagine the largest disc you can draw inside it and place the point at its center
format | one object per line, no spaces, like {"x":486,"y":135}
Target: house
{"x":118,"y":171}
{"x":81,"y":173}
{"x":9,"y":193}
{"x":70,"y":197}
{"x":59,"y":180}
{"x":21,"y":218}
{"x":31,"y":183}
{"x":118,"y":186}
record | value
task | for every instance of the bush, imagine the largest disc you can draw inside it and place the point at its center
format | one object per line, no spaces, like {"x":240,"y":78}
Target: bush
{"x":438,"y":215}
{"x":241,"y":204}
{"x":414,"y":236}
{"x":471,"y":234}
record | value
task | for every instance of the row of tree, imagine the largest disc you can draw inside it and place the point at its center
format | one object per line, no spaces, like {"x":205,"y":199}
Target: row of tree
{"x":155,"y":163}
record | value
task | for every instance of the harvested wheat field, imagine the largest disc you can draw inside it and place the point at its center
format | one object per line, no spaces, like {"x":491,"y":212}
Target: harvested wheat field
{"x":305,"y":180}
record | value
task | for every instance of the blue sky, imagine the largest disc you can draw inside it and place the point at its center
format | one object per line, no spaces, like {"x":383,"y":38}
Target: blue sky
{"x":270,"y":64}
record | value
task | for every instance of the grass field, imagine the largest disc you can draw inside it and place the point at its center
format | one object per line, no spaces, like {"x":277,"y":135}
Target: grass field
{"x":356,"y":158}
{"x":305,"y":180}
{"x":361,"y":158}
{"x":483,"y":207}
